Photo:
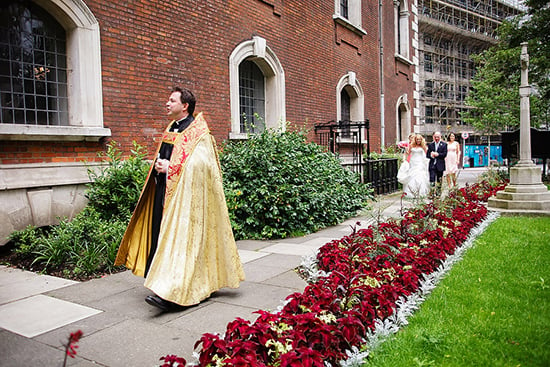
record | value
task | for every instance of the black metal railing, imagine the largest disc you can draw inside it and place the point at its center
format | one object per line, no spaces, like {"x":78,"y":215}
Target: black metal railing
{"x":337,"y":134}
{"x":381,"y":174}
{"x":347,"y":136}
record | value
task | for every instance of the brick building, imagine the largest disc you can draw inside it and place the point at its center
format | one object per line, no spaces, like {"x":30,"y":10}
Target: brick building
{"x":76,"y":74}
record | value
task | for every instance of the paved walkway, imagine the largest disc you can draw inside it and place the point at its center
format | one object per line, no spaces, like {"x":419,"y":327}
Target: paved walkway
{"x":38,"y":312}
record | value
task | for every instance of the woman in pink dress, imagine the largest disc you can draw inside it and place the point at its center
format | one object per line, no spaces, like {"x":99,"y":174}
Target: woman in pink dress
{"x":451,"y":161}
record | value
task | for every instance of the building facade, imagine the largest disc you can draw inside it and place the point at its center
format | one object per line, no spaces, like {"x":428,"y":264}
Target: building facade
{"x":399,"y":59}
{"x":449,"y":32}
{"x":78,"y":74}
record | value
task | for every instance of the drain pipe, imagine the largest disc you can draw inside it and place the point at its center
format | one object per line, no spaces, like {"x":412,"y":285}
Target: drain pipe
{"x":382,"y":114}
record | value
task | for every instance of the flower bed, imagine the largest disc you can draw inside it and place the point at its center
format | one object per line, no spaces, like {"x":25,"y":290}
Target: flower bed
{"x":355,"y":282}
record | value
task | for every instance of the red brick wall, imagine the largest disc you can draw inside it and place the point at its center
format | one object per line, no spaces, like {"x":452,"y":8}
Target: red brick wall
{"x":149,"y":46}
{"x":19,"y":152}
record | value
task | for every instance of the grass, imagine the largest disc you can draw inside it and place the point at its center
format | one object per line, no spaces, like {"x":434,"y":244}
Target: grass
{"x":492,"y":309}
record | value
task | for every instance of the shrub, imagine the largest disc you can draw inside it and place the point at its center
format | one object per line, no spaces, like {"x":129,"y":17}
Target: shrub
{"x":115,"y":188}
{"x":87,"y":245}
{"x":279,"y":185}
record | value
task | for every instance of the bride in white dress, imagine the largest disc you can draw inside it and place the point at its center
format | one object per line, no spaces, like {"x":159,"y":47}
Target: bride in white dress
{"x":416,"y":182}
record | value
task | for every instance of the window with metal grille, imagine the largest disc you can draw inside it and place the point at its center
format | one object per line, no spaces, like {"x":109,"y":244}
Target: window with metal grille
{"x":251,"y":97}
{"x":33,"y":66}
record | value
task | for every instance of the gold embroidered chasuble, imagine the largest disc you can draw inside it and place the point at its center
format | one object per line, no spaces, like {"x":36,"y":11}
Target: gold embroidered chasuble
{"x":196,"y":253}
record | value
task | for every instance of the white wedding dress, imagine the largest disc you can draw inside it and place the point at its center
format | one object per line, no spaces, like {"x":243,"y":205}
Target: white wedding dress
{"x":416,"y":180}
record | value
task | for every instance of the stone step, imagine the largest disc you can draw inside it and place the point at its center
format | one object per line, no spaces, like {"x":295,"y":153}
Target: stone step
{"x":543,"y":205}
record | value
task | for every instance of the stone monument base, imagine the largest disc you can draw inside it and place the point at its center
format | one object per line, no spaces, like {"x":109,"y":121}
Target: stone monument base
{"x":526,"y":194}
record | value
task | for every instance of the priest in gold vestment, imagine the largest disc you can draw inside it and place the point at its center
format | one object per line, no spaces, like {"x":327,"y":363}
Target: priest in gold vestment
{"x":179,"y":237}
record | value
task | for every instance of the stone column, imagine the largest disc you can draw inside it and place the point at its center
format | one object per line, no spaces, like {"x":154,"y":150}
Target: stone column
{"x":525,"y":117}
{"x":525,"y":193}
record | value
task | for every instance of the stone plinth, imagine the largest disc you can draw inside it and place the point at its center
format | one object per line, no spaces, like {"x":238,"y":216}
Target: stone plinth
{"x":524,"y":195}
{"x":525,"y":175}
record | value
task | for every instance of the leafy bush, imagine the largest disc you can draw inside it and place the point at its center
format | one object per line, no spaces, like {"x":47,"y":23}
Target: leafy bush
{"x":389,"y":151}
{"x":115,"y":188}
{"x":82,"y":247}
{"x":279,"y":185}
{"x":495,"y":176}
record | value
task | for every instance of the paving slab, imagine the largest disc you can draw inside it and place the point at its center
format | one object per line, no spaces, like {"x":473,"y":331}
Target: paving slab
{"x":135,"y":343}
{"x":97,"y":289}
{"x":288,"y":279}
{"x":248,"y":256}
{"x":17,"y":351}
{"x":258,"y":273}
{"x":16,"y":284}
{"x":281,"y":261}
{"x":212,"y":318}
{"x":89,"y":325}
{"x":252,"y":245}
{"x":254,"y":295}
{"x":38,"y":314}
{"x":291,"y":249}
{"x":131,"y":305}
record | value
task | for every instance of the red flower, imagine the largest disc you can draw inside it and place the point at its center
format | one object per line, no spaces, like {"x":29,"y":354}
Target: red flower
{"x":70,"y":347}
{"x":170,"y":359}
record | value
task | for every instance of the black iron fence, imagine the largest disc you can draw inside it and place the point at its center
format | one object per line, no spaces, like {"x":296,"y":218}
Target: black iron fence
{"x":346,"y":139}
{"x":382,"y":174}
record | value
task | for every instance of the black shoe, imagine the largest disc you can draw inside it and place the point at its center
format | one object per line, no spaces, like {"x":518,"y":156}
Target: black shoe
{"x":160,"y":303}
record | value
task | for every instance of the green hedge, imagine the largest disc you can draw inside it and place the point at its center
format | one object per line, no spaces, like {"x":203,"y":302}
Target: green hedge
{"x":278,"y":185}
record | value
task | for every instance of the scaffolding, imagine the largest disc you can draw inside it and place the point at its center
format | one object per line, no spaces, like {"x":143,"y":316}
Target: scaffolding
{"x":450,"y":32}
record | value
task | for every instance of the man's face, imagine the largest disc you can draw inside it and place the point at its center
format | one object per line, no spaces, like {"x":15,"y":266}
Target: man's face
{"x":437,"y":137}
{"x":175,"y":109}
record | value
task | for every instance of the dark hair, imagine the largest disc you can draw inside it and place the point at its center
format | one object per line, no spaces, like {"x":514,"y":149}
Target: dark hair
{"x":186,"y":97}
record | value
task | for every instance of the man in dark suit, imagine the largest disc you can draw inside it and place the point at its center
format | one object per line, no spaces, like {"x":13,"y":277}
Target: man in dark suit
{"x":437,"y":151}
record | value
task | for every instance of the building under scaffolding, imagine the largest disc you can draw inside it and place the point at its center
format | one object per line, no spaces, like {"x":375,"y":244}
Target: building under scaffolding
{"x":450,"y":32}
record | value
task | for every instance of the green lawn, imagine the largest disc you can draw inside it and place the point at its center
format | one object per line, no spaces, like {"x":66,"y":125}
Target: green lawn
{"x":492,"y":309}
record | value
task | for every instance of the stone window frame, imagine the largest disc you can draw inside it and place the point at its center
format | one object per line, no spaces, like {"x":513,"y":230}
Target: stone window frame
{"x":401,"y":30}
{"x":354,"y":20}
{"x":84,"y":87}
{"x":257,"y":50}
{"x":357,"y":99}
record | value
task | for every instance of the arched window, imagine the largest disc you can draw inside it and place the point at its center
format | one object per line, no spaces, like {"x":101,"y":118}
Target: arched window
{"x":349,"y":100}
{"x":50,"y":71}
{"x":251,"y":97}
{"x":251,"y":64}
{"x":353,"y":99}
{"x":33,"y":66}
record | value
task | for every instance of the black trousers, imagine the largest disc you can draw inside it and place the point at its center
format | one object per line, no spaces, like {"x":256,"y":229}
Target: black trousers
{"x":160,"y":189}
